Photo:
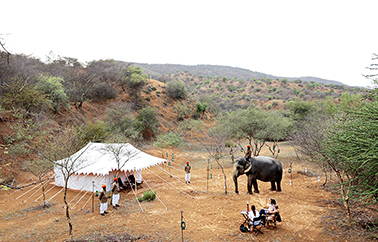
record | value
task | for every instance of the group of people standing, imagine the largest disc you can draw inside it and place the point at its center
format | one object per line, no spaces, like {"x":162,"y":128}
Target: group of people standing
{"x":104,"y":197}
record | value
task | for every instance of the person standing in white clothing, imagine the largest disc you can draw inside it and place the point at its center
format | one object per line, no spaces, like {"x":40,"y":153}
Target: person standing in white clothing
{"x":115,"y":191}
{"x":187,"y":172}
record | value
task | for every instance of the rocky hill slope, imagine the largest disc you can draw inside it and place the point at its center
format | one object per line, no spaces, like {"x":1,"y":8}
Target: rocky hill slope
{"x":157,"y":70}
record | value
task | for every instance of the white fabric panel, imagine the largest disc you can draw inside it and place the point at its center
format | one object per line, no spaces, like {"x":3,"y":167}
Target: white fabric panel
{"x":97,"y":162}
{"x":138,"y":176}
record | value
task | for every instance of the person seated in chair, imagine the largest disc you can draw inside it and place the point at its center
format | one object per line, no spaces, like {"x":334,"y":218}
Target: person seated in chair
{"x":272,"y":212}
{"x":254,"y":214}
{"x":270,"y":206}
{"x":132,"y":180}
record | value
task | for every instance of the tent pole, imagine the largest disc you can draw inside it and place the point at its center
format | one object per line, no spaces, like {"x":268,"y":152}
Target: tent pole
{"x":207,"y":178}
{"x":136,"y":183}
{"x":92,"y":196}
{"x":135,"y":194}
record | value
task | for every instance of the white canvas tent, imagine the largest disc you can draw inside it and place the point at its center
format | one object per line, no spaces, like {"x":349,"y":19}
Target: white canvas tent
{"x":99,"y":165}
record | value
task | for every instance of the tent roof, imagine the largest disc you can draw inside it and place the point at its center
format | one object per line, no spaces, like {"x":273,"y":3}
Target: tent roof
{"x":100,"y":159}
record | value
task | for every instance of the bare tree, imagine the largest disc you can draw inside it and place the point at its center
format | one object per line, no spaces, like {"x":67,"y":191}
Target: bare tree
{"x":214,"y":140}
{"x":59,"y":150}
{"x":309,"y":140}
{"x":122,"y":153}
{"x":40,"y":168}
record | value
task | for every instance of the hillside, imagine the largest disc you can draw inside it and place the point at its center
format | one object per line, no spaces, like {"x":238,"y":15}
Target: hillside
{"x":157,"y":70}
{"x":226,"y":95}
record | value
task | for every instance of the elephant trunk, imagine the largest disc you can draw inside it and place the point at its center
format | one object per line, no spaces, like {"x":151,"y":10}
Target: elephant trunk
{"x":235,"y":175}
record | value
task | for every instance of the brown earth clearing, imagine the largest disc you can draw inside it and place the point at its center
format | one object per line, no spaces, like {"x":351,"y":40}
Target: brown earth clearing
{"x":210,"y":215}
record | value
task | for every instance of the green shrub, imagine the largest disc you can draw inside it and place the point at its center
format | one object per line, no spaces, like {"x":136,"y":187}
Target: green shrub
{"x":201,"y":107}
{"x":19,"y":95}
{"x":95,"y":132}
{"x":53,"y":88}
{"x":102,"y":91}
{"x":147,"y":121}
{"x":176,"y":90}
{"x":147,"y":196}
{"x":171,"y":139}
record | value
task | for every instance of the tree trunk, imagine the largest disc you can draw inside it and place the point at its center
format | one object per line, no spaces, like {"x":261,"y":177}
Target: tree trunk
{"x":326,"y":178}
{"x":224,"y":175}
{"x":348,"y":210}
{"x":345,"y":197}
{"x":44,"y":196}
{"x":67,"y":210}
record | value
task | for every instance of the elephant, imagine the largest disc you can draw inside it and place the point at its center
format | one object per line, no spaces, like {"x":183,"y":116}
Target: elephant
{"x":261,"y":168}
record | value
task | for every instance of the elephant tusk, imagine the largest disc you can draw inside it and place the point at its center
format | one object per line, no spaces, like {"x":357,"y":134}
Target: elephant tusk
{"x":249,"y":168}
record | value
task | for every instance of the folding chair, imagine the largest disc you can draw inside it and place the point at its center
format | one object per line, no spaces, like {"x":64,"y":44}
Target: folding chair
{"x":271,"y":221}
{"x":257,"y":224}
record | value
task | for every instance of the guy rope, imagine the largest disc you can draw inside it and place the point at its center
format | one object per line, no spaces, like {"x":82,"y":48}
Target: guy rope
{"x":134,"y":194}
{"x":155,"y":194}
{"x":180,"y":180}
{"x":169,"y":183}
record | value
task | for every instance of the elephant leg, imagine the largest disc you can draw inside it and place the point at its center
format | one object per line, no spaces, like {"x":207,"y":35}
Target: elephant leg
{"x":235,"y":178}
{"x":255,"y":186}
{"x":273,"y":186}
{"x":249,"y":185}
{"x":279,"y":186}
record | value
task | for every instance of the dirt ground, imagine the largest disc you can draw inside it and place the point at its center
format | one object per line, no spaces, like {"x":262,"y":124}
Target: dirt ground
{"x":209,"y":214}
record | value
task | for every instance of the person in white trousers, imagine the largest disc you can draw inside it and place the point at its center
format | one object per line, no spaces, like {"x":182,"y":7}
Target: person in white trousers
{"x":103,"y":201}
{"x":187,"y":172}
{"x":115,"y":191}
